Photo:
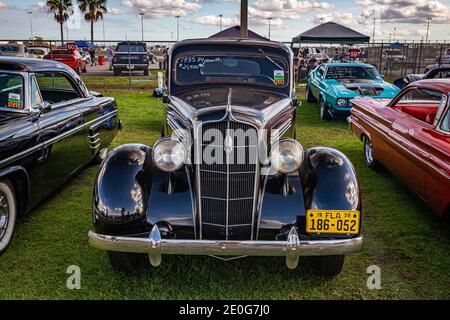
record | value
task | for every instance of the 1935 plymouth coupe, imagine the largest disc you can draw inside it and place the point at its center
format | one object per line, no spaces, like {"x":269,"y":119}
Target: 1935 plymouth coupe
{"x":410,"y":136}
{"x":335,"y":84}
{"x":50,"y":127}
{"x":227,"y":178}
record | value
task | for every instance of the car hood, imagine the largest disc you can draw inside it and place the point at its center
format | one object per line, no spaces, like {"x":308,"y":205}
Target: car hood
{"x":350,"y":88}
{"x":249,"y":104}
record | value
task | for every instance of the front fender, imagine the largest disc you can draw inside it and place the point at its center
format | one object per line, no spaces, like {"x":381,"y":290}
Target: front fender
{"x":121,"y":190}
{"x":329,"y":181}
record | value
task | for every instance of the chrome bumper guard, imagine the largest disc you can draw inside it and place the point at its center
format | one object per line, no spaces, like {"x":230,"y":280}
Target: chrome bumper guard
{"x":292,"y":249}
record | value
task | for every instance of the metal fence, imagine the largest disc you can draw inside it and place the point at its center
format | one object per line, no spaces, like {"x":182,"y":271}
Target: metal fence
{"x":393,"y":60}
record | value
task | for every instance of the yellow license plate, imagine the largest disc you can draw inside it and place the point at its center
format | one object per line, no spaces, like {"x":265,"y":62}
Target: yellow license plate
{"x":332,"y":221}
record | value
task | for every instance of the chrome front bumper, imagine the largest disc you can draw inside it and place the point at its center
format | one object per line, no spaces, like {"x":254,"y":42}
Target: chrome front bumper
{"x":292,"y":249}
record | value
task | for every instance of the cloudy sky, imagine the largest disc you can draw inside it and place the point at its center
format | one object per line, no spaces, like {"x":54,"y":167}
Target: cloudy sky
{"x":199,"y":18}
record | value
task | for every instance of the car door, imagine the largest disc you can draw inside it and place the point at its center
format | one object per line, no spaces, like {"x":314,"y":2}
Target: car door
{"x":411,"y":156}
{"x":64,"y":143}
{"x":316,"y":79}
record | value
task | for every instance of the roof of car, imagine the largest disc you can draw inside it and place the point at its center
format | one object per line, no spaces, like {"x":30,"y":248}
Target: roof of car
{"x":240,"y":41}
{"x":442,"y":85}
{"x":347,"y":64}
{"x":30,"y":65}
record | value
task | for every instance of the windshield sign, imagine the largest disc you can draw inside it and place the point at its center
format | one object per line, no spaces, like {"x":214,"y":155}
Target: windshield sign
{"x":262,"y":70}
{"x":352,"y":73}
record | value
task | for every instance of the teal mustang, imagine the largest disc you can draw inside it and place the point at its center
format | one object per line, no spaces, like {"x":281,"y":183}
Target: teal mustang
{"x":335,"y":84}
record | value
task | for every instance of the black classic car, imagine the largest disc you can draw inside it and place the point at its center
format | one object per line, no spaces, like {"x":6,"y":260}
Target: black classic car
{"x":50,"y":127}
{"x":227,"y":178}
{"x":132,"y":56}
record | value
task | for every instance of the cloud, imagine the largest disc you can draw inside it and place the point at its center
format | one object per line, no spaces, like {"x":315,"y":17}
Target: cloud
{"x":115,"y":11}
{"x":163,"y":8}
{"x":212,"y":20}
{"x":40,"y":7}
{"x":4,"y":5}
{"x":405,"y":11}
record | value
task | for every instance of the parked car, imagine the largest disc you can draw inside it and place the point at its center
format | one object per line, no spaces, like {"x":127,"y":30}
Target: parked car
{"x":335,"y":84}
{"x":227,"y":178}
{"x":393,"y":59}
{"x":38,"y":52}
{"x":15,"y":50}
{"x":436,"y":73}
{"x":51,"y":126}
{"x":71,"y":58}
{"x":435,"y":66}
{"x":131,"y":56}
{"x":444,"y":58}
{"x":86,"y":56}
{"x":410,"y":136}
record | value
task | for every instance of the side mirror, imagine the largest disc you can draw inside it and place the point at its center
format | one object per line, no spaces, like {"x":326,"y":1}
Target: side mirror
{"x":295,"y":102}
{"x":165,"y":98}
{"x":44,"y":107}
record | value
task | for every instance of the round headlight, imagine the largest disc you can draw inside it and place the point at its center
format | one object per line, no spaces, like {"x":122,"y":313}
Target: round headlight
{"x":341,"y":102}
{"x":287,"y":155}
{"x":169,"y":154}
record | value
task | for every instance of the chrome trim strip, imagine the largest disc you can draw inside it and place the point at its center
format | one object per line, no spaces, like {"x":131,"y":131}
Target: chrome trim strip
{"x":292,"y":249}
{"x":40,"y":145}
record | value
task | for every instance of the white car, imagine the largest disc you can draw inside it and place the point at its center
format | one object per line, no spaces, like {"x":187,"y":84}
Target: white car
{"x":15,"y":50}
{"x":38,"y":52}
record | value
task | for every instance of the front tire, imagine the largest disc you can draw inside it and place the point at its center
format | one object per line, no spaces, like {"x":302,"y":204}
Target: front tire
{"x":8,"y":214}
{"x":116,"y":72}
{"x":127,"y":262}
{"x":328,"y":266}
{"x":369,"y":153}
{"x":324,"y":113}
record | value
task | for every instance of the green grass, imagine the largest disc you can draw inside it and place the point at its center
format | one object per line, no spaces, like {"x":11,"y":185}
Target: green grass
{"x":403,"y":237}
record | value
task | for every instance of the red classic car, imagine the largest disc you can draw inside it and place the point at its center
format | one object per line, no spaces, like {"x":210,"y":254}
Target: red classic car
{"x":69,"y":56}
{"x":410,"y":136}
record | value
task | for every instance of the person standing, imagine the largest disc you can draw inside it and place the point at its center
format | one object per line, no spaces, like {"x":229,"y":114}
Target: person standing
{"x":92,"y":53}
{"x":109,"y":56}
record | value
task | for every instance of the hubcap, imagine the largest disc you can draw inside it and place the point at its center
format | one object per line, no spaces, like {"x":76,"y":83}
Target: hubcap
{"x":369,"y":151}
{"x":4,"y":214}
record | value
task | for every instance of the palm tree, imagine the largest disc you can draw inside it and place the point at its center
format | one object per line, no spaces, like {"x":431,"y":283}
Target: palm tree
{"x":61,"y":10}
{"x":94,"y":10}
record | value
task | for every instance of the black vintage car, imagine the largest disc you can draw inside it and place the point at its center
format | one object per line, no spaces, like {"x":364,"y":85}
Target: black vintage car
{"x":132,"y":56}
{"x":50,"y":127}
{"x":227,"y":178}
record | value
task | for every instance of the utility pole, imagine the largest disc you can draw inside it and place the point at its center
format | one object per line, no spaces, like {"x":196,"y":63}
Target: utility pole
{"x":395,"y":30}
{"x":270,"y":19}
{"x":428,"y":28}
{"x":178,"y":27}
{"x":30,"y":13}
{"x":141,"y":14}
{"x":244,"y":18}
{"x":374,"y":27}
{"x":104,"y":38}
{"x":220,"y":16}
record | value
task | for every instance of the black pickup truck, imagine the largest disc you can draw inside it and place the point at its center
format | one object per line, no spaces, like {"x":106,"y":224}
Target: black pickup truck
{"x":131,"y":56}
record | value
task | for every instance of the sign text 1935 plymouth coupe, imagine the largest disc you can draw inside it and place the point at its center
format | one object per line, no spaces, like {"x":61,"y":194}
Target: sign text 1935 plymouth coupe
{"x":228,"y":179}
{"x":50,"y":127}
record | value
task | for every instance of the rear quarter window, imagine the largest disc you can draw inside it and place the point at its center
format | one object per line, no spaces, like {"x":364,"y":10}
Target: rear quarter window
{"x":11,"y":91}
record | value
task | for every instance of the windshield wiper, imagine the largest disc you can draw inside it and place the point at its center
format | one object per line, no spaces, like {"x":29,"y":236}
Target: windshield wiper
{"x":269,"y":58}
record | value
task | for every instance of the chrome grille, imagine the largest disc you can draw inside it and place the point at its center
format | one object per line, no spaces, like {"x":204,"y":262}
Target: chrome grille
{"x":227,"y":189}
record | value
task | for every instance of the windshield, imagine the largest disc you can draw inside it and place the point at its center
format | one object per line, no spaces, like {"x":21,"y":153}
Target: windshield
{"x":62,"y":52}
{"x":11,"y":91}
{"x":36,"y":51}
{"x":9,"y":49}
{"x":132,"y":48}
{"x":353,"y":73}
{"x":394,"y":52}
{"x":264,"y":70}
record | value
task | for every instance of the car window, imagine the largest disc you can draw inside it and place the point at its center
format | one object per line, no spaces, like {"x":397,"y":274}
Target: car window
{"x":269,"y":71}
{"x":321,"y":71}
{"x":11,"y":91}
{"x":422,"y":95}
{"x":353,"y":73}
{"x":56,"y":87}
{"x":131,"y":47}
{"x":36,"y":97}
